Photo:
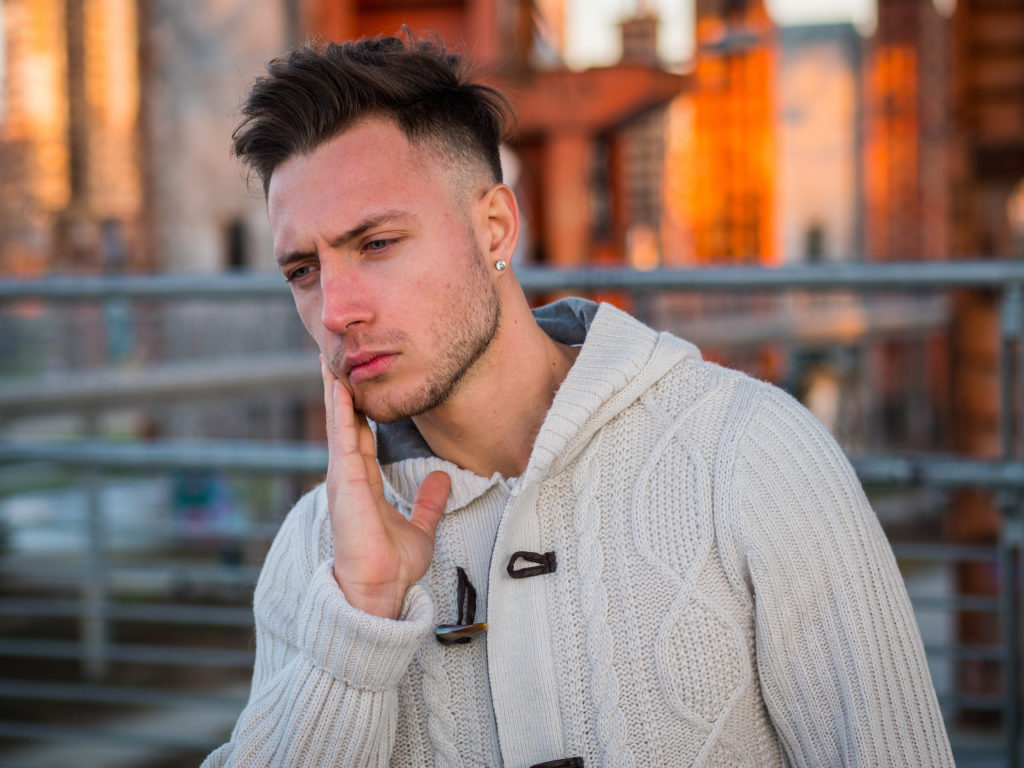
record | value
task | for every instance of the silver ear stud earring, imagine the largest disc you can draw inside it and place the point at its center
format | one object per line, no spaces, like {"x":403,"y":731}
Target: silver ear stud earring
{"x":500,"y":265}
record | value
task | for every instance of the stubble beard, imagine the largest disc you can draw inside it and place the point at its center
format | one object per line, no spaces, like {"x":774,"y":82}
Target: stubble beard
{"x":462,"y":335}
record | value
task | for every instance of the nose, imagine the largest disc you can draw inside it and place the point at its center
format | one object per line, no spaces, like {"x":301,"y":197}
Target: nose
{"x":346,"y":301}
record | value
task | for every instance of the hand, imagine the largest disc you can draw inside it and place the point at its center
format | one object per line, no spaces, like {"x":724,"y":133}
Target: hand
{"x":378,"y":554}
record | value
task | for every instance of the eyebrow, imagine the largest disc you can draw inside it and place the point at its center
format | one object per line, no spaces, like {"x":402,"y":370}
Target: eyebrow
{"x":370,"y":222}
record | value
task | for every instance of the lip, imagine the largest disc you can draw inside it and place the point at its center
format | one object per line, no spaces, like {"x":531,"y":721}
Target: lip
{"x":368,"y":365}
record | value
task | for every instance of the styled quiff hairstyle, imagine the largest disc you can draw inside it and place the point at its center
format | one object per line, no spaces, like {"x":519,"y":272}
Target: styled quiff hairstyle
{"x":317,"y":91}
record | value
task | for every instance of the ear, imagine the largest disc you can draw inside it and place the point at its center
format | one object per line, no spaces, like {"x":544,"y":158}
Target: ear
{"x":502,"y":222}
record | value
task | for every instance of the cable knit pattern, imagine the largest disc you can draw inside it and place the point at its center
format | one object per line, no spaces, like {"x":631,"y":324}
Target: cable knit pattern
{"x":437,"y":693}
{"x":611,"y":725}
{"x":724,"y":597}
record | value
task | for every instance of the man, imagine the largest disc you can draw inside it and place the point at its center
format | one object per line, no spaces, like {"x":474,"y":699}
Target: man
{"x":647,"y":559}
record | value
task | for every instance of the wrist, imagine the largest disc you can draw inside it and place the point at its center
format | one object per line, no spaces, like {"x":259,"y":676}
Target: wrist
{"x":386,"y":602}
{"x":364,"y":651}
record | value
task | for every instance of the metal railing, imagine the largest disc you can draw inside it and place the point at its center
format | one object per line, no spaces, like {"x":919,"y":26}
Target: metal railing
{"x":91,"y":459}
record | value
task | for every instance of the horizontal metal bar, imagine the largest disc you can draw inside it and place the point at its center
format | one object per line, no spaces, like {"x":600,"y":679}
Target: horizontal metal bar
{"x":846,"y":276}
{"x":817,"y":324}
{"x":977,"y":652}
{"x":249,"y":456}
{"x":184,"y":286}
{"x":98,"y":735}
{"x":121,"y":387}
{"x":986,"y":272}
{"x":939,"y":471}
{"x":175,"y":529}
{"x":948,"y":553}
{"x":956,"y":603}
{"x":113,"y":694}
{"x":920,"y":470}
{"x":180,"y":572}
{"x":40,"y":648}
{"x":164,"y":613}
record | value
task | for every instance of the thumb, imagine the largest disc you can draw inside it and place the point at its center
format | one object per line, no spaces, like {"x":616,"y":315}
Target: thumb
{"x":430,"y":500}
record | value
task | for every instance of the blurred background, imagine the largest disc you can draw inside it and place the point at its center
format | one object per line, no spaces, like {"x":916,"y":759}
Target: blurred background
{"x":826,"y":195}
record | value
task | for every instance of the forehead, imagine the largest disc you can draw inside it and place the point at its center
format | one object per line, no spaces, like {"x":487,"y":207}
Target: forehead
{"x":368,"y":168}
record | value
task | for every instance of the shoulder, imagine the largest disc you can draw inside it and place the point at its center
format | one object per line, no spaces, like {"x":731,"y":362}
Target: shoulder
{"x":721,"y":399}
{"x":759,"y":442}
{"x":789,"y":480}
{"x":781,"y":432}
{"x":757,"y":427}
{"x":748,"y":411}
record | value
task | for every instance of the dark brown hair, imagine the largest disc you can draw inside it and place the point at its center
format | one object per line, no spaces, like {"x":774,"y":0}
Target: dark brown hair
{"x":315,"y":92}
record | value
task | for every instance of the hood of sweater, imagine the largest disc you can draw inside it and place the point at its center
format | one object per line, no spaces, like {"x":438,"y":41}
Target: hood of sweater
{"x":621,"y":358}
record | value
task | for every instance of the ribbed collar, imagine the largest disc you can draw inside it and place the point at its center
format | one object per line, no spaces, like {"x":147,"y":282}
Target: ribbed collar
{"x":620,"y":359}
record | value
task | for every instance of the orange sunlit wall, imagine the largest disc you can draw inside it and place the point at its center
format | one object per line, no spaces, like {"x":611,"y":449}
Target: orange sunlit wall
{"x":720,"y":164}
{"x":37,"y":136}
{"x":112,"y":99}
{"x":679,"y":185}
{"x":908,"y":134}
{"x":33,"y":127}
{"x":891,"y":169}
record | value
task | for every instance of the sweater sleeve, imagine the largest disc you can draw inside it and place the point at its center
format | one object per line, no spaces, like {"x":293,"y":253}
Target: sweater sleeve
{"x":839,"y":655}
{"x":324,"y":689}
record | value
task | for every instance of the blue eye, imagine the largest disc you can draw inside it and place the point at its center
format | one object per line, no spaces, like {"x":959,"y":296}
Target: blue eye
{"x":299,"y":273}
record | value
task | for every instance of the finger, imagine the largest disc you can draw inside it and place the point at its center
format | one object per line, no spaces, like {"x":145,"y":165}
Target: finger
{"x":367,"y":445}
{"x":328,"y":380}
{"x":430,"y":501}
{"x":344,"y":425}
{"x":346,"y":449}
{"x":368,"y":450}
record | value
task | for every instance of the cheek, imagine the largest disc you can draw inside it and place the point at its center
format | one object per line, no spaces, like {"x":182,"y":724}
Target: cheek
{"x":310,"y":314}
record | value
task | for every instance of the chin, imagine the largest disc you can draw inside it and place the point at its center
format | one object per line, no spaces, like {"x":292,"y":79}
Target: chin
{"x":389,"y":410}
{"x":382,"y":411}
{"x":379,"y":414}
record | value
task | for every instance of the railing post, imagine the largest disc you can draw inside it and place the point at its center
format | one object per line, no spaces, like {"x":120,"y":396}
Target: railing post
{"x":94,"y":588}
{"x":1011,"y":535}
{"x":1011,"y":321}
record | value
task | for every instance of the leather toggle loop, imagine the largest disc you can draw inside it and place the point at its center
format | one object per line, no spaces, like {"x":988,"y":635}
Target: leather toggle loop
{"x":466,"y":626}
{"x":546,"y":563}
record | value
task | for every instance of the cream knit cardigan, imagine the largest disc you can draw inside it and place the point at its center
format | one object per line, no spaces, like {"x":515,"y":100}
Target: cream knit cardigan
{"x":723,"y":596}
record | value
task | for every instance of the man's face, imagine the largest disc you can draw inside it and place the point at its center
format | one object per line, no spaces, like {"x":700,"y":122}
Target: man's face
{"x":387,"y":274}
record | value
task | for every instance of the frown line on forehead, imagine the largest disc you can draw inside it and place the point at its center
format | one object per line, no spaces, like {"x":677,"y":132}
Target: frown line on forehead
{"x":392,"y":216}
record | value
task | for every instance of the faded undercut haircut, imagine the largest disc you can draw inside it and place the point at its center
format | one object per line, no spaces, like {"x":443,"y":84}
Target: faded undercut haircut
{"x":317,"y":91}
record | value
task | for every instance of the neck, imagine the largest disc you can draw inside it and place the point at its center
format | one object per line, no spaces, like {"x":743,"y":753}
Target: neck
{"x":491,"y":422}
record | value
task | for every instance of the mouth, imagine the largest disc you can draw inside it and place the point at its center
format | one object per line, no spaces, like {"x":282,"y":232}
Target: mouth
{"x":368,"y":365}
